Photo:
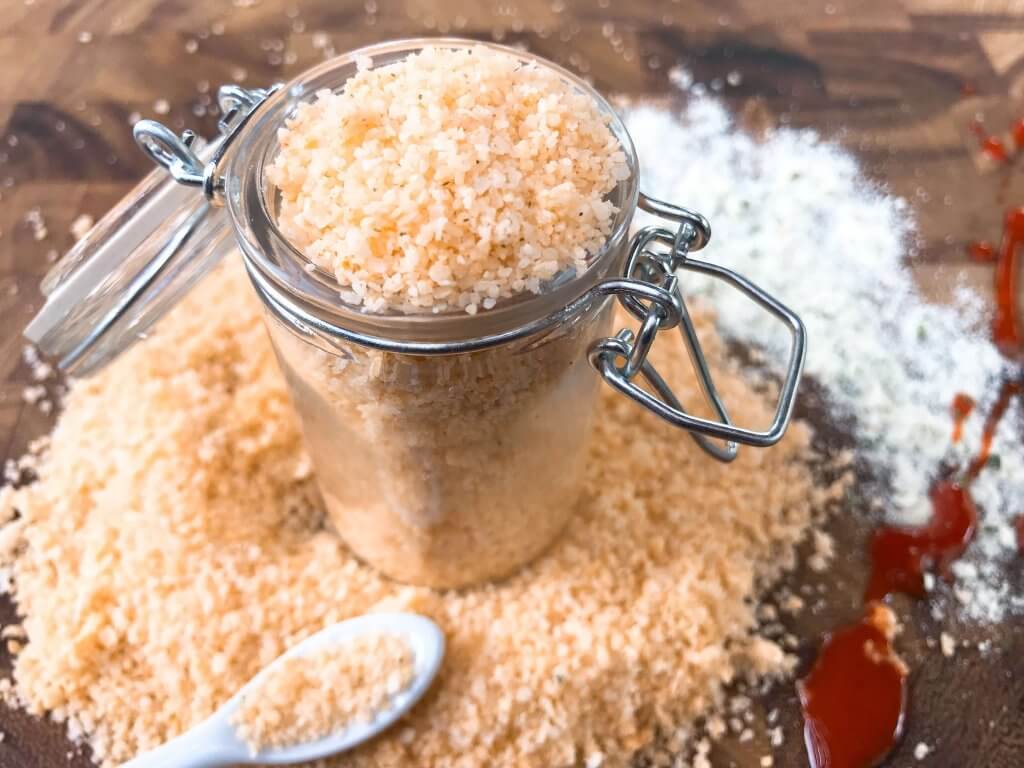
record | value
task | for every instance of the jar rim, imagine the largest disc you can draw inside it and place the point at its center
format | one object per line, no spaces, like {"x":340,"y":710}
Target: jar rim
{"x":286,"y":281}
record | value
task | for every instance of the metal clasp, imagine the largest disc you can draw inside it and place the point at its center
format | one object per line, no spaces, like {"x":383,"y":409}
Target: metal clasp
{"x":656,"y":254}
{"x":176,"y":154}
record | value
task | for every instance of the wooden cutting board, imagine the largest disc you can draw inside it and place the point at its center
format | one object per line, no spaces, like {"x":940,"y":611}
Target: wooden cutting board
{"x":900,"y":78}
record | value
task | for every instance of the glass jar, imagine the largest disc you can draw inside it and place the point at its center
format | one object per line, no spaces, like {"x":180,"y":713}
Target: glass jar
{"x":449,"y":448}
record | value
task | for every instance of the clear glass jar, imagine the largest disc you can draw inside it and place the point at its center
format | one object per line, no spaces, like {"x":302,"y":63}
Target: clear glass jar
{"x":445,"y":470}
{"x":449,"y":448}
{"x":455,"y":464}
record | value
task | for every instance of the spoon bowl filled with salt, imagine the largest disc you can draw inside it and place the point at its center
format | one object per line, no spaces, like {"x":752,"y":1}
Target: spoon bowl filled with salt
{"x":330,"y":693}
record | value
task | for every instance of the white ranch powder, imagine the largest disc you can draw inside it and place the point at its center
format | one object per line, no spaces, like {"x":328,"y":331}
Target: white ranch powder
{"x":796,"y":215}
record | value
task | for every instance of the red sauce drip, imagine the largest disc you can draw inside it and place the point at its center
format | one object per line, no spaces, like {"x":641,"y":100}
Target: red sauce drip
{"x":992,"y":146}
{"x":982,"y":251}
{"x":900,"y":556}
{"x":853,"y":699}
{"x":1007,"y":392}
{"x":1017,"y":131}
{"x":962,"y":407}
{"x":1006,"y":331}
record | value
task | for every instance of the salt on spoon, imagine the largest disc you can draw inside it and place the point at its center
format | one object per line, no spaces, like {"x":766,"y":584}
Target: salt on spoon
{"x":217,"y":742}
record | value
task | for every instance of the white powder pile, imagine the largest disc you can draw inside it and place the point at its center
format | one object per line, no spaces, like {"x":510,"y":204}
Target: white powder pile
{"x":796,"y":215}
{"x":173,"y":546}
{"x":308,"y":697}
{"x":448,"y":180}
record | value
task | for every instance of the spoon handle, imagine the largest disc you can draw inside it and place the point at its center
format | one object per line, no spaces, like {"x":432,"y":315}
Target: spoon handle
{"x":197,"y":748}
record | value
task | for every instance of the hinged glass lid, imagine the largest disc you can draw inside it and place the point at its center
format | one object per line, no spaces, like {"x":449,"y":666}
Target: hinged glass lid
{"x":142,"y":256}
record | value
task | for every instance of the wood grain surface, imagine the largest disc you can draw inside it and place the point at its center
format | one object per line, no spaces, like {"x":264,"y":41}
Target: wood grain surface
{"x":897,"y":81}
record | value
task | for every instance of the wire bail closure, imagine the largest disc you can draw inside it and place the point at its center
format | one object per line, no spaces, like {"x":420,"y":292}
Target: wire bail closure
{"x":656,"y":254}
{"x":237,"y":105}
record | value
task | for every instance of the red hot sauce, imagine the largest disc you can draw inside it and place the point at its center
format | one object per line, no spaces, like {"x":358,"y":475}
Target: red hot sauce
{"x":981,"y":251}
{"x":901,"y":556}
{"x":991,"y":146}
{"x":1006,"y":330}
{"x":963,"y":406}
{"x":854,"y":697}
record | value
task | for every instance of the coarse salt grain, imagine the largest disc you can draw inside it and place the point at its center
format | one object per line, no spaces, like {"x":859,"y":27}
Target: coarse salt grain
{"x":81,"y":225}
{"x":947,"y":644}
{"x":311,"y":696}
{"x":467,"y":174}
{"x":34,"y":219}
{"x":795,"y":215}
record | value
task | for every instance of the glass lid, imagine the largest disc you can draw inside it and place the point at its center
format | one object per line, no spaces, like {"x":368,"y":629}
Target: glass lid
{"x":127,"y":273}
{"x":146,"y":253}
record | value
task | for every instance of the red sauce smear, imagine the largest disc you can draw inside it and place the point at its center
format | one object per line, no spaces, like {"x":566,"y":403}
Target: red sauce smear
{"x":1008,"y":391}
{"x":854,"y":697}
{"x":992,"y":146}
{"x":1006,"y":331}
{"x":981,"y":251}
{"x":901,"y":556}
{"x":962,"y":407}
{"x":1017,"y":131}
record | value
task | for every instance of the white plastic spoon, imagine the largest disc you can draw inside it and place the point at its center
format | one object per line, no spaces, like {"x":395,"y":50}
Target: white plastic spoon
{"x":214,"y":742}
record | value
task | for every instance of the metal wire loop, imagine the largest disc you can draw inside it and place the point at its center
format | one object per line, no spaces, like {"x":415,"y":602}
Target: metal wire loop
{"x":655,"y":255}
{"x":645,"y":263}
{"x":697,"y":227}
{"x":176,"y":154}
{"x":167,"y":149}
{"x":664,"y":301}
{"x":642,"y":345}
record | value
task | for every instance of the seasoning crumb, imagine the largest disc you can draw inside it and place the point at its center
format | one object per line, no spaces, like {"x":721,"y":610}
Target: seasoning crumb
{"x":766,"y":612}
{"x":921,"y":751}
{"x":34,"y":219}
{"x":14,"y":631}
{"x":81,"y":225}
{"x":715,"y":727}
{"x":33,"y":394}
{"x":817,"y":563}
{"x":309,"y":697}
{"x":792,"y":604}
{"x":947,"y":644}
